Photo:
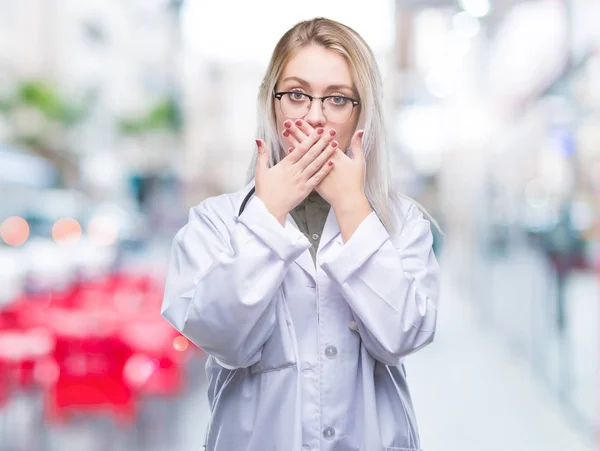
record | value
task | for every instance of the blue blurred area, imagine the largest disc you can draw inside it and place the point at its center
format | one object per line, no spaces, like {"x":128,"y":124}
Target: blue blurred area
{"x":23,"y":169}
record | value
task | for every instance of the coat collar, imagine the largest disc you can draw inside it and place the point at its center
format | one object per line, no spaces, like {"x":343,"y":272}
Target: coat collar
{"x":331,"y":232}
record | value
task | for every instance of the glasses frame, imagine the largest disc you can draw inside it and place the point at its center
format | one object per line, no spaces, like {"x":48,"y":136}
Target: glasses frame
{"x":280,"y":94}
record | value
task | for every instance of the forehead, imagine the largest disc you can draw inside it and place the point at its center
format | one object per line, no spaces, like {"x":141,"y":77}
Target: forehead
{"x":319,"y":66}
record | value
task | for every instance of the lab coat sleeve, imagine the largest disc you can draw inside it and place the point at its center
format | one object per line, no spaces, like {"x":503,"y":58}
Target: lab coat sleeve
{"x":222,"y":279}
{"x":391,"y":285}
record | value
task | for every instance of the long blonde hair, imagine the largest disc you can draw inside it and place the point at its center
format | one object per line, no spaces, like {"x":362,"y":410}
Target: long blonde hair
{"x":340,"y":38}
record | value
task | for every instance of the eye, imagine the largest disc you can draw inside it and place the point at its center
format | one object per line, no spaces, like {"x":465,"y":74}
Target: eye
{"x":338,"y":100}
{"x":297,"y":96}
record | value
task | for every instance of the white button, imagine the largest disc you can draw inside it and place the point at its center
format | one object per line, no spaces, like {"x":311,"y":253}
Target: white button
{"x":353,"y":326}
{"x":328,"y":433}
{"x":315,"y":236}
{"x":331,"y":351}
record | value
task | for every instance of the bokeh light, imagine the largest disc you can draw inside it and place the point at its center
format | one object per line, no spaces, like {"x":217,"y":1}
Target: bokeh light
{"x":180,"y":343}
{"x":46,"y":371}
{"x":66,"y":230}
{"x":14,"y":231}
{"x":103,"y":231}
{"x":138,"y":369}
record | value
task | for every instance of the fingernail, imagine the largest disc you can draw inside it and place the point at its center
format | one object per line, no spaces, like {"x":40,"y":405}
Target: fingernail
{"x":320,"y":131}
{"x":286,"y":133}
{"x":298,"y":122}
{"x":290,"y":149}
{"x":332,"y":132}
{"x":334,"y":144}
{"x":257,"y":142}
{"x":330,"y":163}
{"x":287,"y":124}
{"x":361,"y":133}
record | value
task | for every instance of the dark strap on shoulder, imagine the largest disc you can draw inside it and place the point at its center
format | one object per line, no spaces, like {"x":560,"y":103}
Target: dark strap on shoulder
{"x":246,"y":199}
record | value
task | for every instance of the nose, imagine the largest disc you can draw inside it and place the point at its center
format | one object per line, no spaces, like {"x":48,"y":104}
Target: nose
{"x":315,"y":115}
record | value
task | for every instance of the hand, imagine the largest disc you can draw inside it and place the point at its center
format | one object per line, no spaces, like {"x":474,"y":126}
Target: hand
{"x":344,"y":186}
{"x":286,"y":184}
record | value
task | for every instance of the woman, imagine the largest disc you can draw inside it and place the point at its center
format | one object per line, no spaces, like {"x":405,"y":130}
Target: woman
{"x":307,"y":353}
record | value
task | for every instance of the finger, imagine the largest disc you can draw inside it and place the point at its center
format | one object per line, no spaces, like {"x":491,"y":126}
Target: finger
{"x":316,"y":149}
{"x":289,"y":151}
{"x":339,"y":153}
{"x":314,"y":181}
{"x":318,"y":162}
{"x":262,"y":162}
{"x":356,"y":145}
{"x":300,"y":149}
{"x":295,"y":130}
{"x":291,"y":134}
{"x":303,"y":129}
{"x":289,"y":138}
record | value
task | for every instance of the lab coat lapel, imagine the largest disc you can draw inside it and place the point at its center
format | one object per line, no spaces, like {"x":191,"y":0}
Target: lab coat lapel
{"x":331,"y":231}
{"x":305,"y":260}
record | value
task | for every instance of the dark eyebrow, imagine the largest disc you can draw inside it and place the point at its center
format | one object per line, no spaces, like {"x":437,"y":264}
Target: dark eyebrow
{"x":307,"y":84}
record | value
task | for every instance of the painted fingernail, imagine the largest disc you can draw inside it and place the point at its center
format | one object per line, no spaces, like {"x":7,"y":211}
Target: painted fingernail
{"x":257,"y":142}
{"x":330,"y":163}
{"x":287,"y":124}
{"x":361,"y":133}
{"x":332,"y":132}
{"x":320,"y":131}
{"x":334,"y":144}
{"x":298,"y":122}
{"x":286,"y":133}
{"x":290,"y":149}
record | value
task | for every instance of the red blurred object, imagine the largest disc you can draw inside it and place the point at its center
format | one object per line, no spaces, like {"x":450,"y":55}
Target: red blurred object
{"x":94,"y":346}
{"x":20,"y":352}
{"x":90,"y":360}
{"x":156,"y":367}
{"x":3,"y":385}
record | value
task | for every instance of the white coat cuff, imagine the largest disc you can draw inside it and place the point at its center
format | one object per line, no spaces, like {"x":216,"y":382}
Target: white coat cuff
{"x":287,"y":242}
{"x":368,"y":237}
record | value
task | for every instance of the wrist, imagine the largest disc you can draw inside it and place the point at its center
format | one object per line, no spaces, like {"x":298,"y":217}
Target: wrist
{"x":351,"y":204}
{"x":351,"y":214}
{"x":277,"y":213}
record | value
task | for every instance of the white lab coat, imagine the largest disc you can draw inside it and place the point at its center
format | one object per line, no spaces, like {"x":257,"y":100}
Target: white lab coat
{"x":304,"y":358}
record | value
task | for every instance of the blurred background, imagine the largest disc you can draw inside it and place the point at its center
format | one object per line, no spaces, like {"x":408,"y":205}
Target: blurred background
{"x":116,"y":116}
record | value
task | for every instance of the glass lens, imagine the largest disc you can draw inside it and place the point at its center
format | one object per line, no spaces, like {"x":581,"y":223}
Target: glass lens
{"x":295,"y":104}
{"x":337,"y":109}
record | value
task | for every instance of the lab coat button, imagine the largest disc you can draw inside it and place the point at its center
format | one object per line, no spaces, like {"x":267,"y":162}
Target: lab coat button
{"x":353,"y":326}
{"x":328,"y":433}
{"x":331,"y":352}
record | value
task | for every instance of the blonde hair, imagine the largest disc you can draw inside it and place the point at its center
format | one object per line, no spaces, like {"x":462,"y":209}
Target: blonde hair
{"x":344,"y":40}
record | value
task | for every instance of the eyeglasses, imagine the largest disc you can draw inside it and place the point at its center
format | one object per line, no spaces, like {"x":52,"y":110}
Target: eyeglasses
{"x":296,"y":104}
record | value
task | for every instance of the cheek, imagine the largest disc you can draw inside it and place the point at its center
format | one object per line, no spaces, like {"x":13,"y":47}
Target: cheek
{"x":279,"y":125}
{"x":280,"y":139}
{"x":344,"y":136}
